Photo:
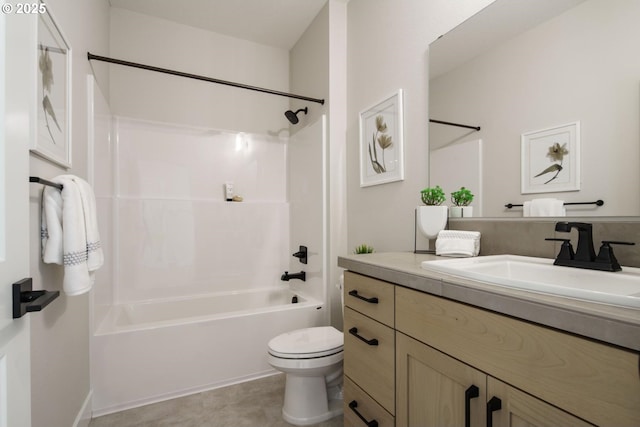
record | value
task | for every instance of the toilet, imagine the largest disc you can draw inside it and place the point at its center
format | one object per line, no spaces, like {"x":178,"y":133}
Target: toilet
{"x":311,"y":358}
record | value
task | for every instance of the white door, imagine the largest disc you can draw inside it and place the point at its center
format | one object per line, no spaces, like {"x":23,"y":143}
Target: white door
{"x":15,"y":116}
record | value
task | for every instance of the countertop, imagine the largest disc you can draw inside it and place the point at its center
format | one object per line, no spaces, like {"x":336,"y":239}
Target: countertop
{"x":610,"y":324}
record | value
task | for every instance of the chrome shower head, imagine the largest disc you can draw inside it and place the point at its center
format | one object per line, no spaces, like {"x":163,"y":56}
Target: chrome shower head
{"x":293,"y":117}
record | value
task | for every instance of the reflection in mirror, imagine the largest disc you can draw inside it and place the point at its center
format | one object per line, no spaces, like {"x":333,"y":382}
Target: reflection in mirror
{"x":523,"y":66}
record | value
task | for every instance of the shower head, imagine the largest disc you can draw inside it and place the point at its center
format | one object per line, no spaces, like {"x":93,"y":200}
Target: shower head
{"x":293,"y":117}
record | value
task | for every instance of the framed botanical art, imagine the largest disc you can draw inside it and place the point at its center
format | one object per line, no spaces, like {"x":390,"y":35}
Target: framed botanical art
{"x":381,"y":142}
{"x":53,"y":134}
{"x":551,"y":159}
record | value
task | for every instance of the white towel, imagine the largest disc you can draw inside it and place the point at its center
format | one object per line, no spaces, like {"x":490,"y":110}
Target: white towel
{"x":458,"y":243}
{"x":69,"y":232}
{"x":544,"y":207}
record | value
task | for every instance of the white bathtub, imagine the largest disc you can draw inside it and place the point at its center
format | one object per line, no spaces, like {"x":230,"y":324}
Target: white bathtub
{"x":152,"y":351}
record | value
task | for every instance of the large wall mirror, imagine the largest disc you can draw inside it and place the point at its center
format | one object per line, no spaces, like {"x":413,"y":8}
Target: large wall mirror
{"x":526,"y":67}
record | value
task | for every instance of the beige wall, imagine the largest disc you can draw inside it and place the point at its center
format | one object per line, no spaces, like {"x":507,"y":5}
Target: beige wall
{"x":159,"y":97}
{"x":387,"y":50}
{"x":318,"y":63}
{"x":60,"y":333}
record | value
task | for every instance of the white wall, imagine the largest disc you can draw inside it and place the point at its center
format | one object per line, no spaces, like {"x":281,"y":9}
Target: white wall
{"x":575,"y":67}
{"x":387,"y":50}
{"x":60,"y":334}
{"x":154,"y":96}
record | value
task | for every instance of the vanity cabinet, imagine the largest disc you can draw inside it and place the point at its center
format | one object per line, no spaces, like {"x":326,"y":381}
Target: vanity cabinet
{"x":435,"y":389}
{"x":541,"y":376}
{"x":369,"y":348}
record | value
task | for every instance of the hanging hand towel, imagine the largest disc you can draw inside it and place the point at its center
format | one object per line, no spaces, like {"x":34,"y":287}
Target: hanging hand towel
{"x":544,"y":207}
{"x":458,"y":243}
{"x":69,"y":232}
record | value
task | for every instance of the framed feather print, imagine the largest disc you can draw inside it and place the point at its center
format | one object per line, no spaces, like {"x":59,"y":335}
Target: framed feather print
{"x":53,"y":134}
{"x":551,"y":159}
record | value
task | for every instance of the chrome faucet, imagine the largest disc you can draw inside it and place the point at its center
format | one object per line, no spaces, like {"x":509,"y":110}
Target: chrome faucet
{"x":585,"y":254}
{"x":286,"y":276}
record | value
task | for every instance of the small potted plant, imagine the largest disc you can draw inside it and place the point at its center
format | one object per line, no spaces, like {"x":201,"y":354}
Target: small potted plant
{"x":432,"y":218}
{"x":364,"y":249}
{"x":461,"y":200}
{"x":432,"y":196}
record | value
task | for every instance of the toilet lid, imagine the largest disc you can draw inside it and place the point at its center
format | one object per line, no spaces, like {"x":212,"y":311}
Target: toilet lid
{"x":307,"y":343}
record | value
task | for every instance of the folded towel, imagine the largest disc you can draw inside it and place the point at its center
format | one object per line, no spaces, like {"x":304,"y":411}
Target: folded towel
{"x":544,"y":207}
{"x":458,"y":243}
{"x":69,"y":232}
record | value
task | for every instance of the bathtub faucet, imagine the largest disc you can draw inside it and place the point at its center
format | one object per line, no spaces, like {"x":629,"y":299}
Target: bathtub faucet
{"x":286,"y":276}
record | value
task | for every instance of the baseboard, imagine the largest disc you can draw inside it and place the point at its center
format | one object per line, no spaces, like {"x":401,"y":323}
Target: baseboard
{"x":84,"y":416}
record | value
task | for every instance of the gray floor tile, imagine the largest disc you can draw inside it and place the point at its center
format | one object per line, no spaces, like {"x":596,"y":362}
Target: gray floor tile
{"x":250,"y":404}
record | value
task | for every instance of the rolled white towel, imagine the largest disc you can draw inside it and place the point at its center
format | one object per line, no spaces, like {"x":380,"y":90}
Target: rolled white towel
{"x":458,"y":243}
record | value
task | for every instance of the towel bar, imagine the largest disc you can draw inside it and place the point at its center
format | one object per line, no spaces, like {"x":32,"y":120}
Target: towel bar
{"x":45,"y":182}
{"x":597,"y":203}
{"x":26,"y":300}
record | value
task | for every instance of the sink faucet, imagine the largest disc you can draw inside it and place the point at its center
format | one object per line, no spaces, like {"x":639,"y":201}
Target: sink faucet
{"x":585,"y":251}
{"x":286,"y":276}
{"x":585,"y":255}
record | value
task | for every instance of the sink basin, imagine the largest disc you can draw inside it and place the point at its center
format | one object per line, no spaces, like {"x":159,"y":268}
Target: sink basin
{"x":540,"y":275}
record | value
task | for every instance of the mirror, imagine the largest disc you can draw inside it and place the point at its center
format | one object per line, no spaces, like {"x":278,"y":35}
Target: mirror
{"x":522,"y":67}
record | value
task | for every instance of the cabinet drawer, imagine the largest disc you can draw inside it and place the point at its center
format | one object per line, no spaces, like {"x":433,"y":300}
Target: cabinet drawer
{"x":597,"y":382}
{"x":365,"y":406}
{"x":370,"y":364}
{"x":369,"y":296}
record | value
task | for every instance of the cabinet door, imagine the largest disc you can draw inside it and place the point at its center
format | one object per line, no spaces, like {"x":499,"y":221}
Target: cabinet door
{"x":519,"y":409}
{"x":436,"y":390}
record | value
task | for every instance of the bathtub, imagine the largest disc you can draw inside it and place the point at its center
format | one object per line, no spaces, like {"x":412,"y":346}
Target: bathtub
{"x":153,"y":351}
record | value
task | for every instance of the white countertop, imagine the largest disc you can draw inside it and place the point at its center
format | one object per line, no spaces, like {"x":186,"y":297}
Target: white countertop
{"x":607,"y":323}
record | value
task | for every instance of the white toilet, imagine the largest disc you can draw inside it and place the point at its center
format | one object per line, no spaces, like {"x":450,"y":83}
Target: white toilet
{"x":312,"y":360}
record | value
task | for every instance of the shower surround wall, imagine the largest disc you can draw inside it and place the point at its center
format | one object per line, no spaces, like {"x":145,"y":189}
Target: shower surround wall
{"x":176,"y":236}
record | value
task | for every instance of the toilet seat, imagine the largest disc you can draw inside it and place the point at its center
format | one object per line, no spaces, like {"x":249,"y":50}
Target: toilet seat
{"x":308,"y":343}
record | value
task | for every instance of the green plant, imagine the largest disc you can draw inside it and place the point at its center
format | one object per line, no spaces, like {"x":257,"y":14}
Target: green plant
{"x":364,"y":249}
{"x":462,"y":197}
{"x":432,"y":196}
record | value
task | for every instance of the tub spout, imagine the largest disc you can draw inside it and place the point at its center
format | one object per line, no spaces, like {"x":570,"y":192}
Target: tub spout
{"x":286,"y":276}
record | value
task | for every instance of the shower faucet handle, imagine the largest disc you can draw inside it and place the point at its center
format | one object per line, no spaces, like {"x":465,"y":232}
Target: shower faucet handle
{"x":301,"y":254}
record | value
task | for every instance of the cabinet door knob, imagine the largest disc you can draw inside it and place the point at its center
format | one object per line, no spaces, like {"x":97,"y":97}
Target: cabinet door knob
{"x":372,"y":300}
{"x":494,"y":404}
{"x":353,"y":405}
{"x":354,"y":331}
{"x":471,"y":393}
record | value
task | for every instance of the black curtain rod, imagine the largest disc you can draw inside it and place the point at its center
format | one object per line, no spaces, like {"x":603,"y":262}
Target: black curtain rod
{"x":597,"y":203}
{"x":91,"y":56}
{"x":45,"y":182}
{"x":454,"y":124}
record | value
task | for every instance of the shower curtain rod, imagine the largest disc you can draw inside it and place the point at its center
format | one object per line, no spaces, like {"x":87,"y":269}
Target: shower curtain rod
{"x":91,"y":56}
{"x":454,"y":124}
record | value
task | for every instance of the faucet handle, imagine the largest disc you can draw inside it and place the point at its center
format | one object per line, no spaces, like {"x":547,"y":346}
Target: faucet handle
{"x":605,"y":255}
{"x":566,"y":250}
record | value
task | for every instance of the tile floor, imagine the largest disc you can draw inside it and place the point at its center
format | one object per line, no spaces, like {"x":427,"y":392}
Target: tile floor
{"x":251,"y":404}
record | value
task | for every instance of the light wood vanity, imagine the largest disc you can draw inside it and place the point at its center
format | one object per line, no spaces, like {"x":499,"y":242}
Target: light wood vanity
{"x":416,"y":356}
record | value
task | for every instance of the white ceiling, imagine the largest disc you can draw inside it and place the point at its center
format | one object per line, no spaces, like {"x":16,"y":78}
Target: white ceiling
{"x":278,"y":23}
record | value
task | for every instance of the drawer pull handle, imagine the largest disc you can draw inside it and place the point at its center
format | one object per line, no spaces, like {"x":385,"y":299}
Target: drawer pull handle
{"x":353,"y":405}
{"x":354,"y":332}
{"x":471,"y":393}
{"x":372,"y":300}
{"x":495,"y":404}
